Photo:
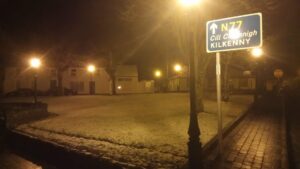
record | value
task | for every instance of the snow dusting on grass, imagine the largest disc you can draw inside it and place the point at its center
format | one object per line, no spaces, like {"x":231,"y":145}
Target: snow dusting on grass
{"x":141,"y":130}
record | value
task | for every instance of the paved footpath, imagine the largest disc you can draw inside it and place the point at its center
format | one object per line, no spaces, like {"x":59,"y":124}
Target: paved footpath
{"x":293,"y":116}
{"x":258,"y":142}
{"x":10,"y":160}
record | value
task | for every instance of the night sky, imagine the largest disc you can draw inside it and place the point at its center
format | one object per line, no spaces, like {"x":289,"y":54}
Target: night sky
{"x":86,"y":27}
{"x":42,"y":25}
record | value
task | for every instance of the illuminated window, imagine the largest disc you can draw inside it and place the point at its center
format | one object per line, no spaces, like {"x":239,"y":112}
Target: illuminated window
{"x":73,"y":72}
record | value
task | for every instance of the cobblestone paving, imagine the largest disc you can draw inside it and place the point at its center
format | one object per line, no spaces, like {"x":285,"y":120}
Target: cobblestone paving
{"x":293,"y":116}
{"x":258,"y":142}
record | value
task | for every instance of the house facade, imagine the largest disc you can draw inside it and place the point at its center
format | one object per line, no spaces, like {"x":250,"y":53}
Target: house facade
{"x":78,"y":79}
{"x":127,"y":81}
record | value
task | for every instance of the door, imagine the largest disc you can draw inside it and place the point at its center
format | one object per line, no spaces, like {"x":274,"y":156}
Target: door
{"x":92,"y":87}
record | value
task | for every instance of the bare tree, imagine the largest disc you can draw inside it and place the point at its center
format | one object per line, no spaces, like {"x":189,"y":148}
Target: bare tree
{"x":186,"y":28}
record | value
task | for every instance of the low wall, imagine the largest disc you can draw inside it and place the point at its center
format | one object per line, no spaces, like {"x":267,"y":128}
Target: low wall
{"x":14,"y":114}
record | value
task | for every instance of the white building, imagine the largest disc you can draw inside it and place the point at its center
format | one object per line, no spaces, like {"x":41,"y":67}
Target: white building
{"x":127,"y":81}
{"x":79,"y":80}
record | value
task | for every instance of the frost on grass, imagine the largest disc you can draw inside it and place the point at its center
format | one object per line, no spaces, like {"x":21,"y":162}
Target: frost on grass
{"x":140,"y":130}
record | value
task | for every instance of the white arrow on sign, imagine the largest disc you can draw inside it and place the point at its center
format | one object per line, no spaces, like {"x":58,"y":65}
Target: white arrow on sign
{"x":213,"y":28}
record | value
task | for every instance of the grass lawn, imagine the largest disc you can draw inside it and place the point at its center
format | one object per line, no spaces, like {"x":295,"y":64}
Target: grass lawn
{"x":150,"y":127}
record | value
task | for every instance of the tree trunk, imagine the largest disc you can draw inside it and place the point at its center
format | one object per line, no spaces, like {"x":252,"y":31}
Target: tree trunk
{"x":60,"y":82}
{"x":200,"y":91}
{"x":2,"y":74}
{"x":112,"y":73}
{"x":113,"y":82}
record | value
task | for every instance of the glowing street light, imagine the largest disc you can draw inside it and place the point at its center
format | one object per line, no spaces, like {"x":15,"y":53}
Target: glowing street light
{"x":157,"y":74}
{"x":35,"y":63}
{"x":257,"y":52}
{"x":119,"y":87}
{"x":91,"y":69}
{"x":189,"y":3}
{"x":177,"y":68}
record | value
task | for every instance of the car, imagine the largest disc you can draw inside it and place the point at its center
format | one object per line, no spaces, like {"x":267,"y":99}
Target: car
{"x":69,"y":91}
{"x":21,"y":92}
{"x":55,"y":91}
{"x":25,"y":92}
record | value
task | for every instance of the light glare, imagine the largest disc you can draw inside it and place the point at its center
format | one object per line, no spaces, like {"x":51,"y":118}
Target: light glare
{"x":234,"y":33}
{"x":157,"y":73}
{"x":178,"y":68}
{"x":189,"y":3}
{"x":257,"y":52}
{"x":91,"y":68}
{"x":35,"y":63}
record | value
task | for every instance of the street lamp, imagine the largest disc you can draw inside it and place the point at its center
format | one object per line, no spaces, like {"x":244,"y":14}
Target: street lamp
{"x":194,"y":145}
{"x":256,"y":53}
{"x":91,"y":69}
{"x":158,"y":75}
{"x":119,"y":87}
{"x":35,"y":63}
{"x":178,"y":70}
{"x":189,"y":3}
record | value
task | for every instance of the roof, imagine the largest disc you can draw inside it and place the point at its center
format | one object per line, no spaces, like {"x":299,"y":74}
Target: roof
{"x":127,"y":70}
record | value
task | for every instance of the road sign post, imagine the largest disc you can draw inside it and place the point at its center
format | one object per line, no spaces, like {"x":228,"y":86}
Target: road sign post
{"x":219,"y":96}
{"x":229,"y":34}
{"x":234,"y":33}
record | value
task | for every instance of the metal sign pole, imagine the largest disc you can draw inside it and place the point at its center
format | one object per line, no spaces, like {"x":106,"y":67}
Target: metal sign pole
{"x":229,"y":34}
{"x":220,"y":119}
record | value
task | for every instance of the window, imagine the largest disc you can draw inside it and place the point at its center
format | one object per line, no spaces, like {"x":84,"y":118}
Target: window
{"x":243,"y":83}
{"x":77,"y":86}
{"x":98,"y":72}
{"x":18,"y":72}
{"x":148,"y":84}
{"x":53,"y":72}
{"x":124,"y":79}
{"x":73,"y":72}
{"x":18,"y":84}
{"x":53,"y":84}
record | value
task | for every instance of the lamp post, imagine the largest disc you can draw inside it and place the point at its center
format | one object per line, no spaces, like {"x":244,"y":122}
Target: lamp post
{"x":158,"y":75}
{"x":194,"y":145}
{"x":178,"y":70}
{"x":256,"y":53}
{"x":91,"y":69}
{"x":35,"y":64}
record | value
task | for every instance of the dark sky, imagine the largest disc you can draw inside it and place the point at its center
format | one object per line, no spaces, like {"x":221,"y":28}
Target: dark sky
{"x":41,"y":25}
{"x":81,"y":26}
